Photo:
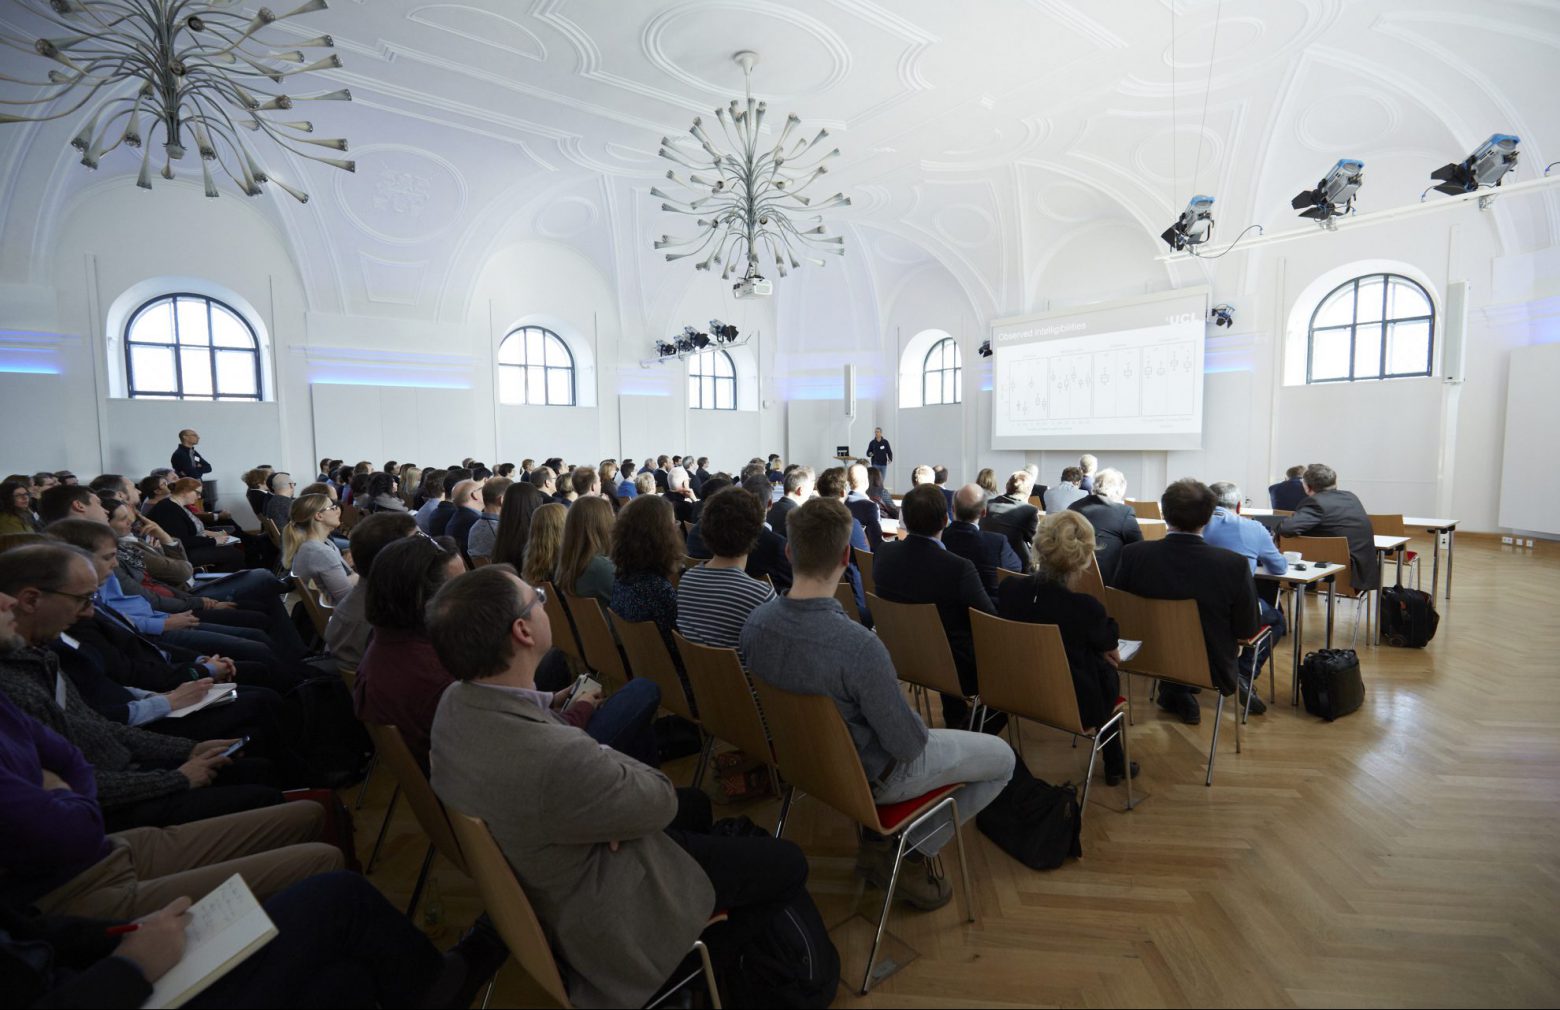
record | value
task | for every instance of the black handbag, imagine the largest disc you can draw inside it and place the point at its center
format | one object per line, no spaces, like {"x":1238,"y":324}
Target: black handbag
{"x":1330,"y":683}
{"x":1036,"y":823}
{"x":1408,"y":617}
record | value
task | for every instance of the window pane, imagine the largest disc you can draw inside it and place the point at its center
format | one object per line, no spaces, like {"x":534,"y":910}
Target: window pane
{"x":1371,"y":293}
{"x":154,"y":324}
{"x":1405,"y":299}
{"x":535,"y":351}
{"x":1367,"y":352}
{"x":1408,"y":348}
{"x":693,"y":391}
{"x":557,"y":353}
{"x":192,"y":321}
{"x":1338,"y":309}
{"x":195,"y":369}
{"x":726,"y":395}
{"x":535,"y":384}
{"x":236,"y":373}
{"x":512,"y":350}
{"x":152,"y":369}
{"x":511,"y":383}
{"x":953,"y":355}
{"x":558,"y":391}
{"x":931,"y":388}
{"x":950,"y":394}
{"x":227,"y":330}
{"x":1330,"y":354}
{"x":723,"y":365}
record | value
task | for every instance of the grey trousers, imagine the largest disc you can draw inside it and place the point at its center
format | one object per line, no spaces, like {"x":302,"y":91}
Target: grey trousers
{"x":982,"y":761}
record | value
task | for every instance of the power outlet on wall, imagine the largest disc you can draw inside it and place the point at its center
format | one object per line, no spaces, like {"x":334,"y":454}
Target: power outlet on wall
{"x":1506,"y":540}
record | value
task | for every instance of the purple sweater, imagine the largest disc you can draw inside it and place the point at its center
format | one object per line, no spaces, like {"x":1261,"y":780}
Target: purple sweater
{"x":47,"y":836}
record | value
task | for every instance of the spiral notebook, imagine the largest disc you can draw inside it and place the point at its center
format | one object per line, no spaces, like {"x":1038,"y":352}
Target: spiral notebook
{"x":226,"y":926}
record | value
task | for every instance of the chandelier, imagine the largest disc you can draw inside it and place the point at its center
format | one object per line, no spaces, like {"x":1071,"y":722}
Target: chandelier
{"x":744,"y":206}
{"x":189,"y":70}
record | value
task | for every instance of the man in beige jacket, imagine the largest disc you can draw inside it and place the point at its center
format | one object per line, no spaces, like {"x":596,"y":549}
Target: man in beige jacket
{"x":621,"y":892}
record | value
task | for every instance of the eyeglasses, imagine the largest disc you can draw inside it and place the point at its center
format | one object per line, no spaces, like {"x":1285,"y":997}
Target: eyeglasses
{"x":331,"y":508}
{"x":540,"y":597}
{"x":83,"y":600}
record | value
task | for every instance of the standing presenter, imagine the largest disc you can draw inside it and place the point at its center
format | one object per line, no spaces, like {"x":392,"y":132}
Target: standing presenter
{"x":879,"y":451}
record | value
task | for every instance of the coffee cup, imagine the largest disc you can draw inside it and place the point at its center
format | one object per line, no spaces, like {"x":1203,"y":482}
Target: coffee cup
{"x":1291,"y":556}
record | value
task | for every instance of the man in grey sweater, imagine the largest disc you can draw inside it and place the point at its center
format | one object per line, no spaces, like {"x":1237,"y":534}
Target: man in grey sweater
{"x":804,"y":643}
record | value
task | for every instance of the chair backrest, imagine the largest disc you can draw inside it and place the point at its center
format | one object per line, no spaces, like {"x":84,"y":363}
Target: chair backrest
{"x":350,"y":514}
{"x":917,"y":643}
{"x":271,"y":532}
{"x":1090,"y":582}
{"x":1003,"y":574}
{"x":1154,"y":531}
{"x":1146,"y":509}
{"x":1037,"y":501}
{"x":348,"y":675}
{"x":1333,"y":550}
{"x":815,"y":752}
{"x":564,"y":637}
{"x":1388,"y":525}
{"x":648,"y":657}
{"x":721,"y":690}
{"x":864,"y":564}
{"x":1023,"y":671}
{"x":689,"y":561}
{"x":847,"y":597}
{"x":393,"y":753}
{"x":1171,"y":634}
{"x":596,"y":641}
{"x":509,"y":908}
{"x":318,"y":613}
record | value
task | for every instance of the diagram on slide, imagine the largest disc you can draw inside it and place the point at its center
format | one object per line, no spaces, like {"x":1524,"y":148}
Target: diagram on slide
{"x":1148,"y":382}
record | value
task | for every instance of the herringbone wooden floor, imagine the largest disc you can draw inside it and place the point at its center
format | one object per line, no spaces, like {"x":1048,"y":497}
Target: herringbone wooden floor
{"x":1407,"y":855}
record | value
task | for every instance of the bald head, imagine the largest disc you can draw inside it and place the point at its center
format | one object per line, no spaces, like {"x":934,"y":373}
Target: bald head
{"x":468,"y":494}
{"x":969,"y":503}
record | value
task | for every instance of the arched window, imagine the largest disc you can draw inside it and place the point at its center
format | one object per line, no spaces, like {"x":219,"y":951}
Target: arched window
{"x":1379,"y":326}
{"x":941,"y":373}
{"x":535,"y":366}
{"x":712,"y":381}
{"x":191,"y":347}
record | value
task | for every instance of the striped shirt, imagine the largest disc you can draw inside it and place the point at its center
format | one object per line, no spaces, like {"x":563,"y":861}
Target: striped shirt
{"x":714,"y":603}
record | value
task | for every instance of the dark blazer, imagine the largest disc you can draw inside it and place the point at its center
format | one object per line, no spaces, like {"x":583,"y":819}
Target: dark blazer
{"x":885,"y":502}
{"x":920,"y":570}
{"x":766,"y":558}
{"x":948,"y":497}
{"x":439,"y":521}
{"x":866,"y":512}
{"x":985,"y":550}
{"x":1087,"y":634}
{"x":257,"y":499}
{"x":1287,"y":494}
{"x":1337,"y":513}
{"x":1015,"y":519}
{"x":1183,"y":566}
{"x":778,"y":512}
{"x":1115,"y":526}
{"x":187,"y":462}
{"x":682,"y":508}
{"x":176,"y":521}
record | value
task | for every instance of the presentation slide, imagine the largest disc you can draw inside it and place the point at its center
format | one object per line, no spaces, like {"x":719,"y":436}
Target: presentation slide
{"x":1119,"y":375}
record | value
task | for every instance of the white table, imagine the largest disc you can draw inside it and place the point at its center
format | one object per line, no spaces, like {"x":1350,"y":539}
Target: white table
{"x":1435,"y":527}
{"x":1295,"y":580}
{"x":1385,"y":546}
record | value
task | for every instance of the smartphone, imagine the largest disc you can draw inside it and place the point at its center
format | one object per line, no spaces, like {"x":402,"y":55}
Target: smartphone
{"x":237,"y":746}
{"x":584,"y":684}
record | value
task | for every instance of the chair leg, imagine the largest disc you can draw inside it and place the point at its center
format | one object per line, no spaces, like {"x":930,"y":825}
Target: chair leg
{"x":964,"y":866}
{"x":384,"y":828}
{"x":422,"y":879}
{"x":487,"y":996}
{"x":1126,"y":682}
{"x":368,"y":776}
{"x":1088,"y":776}
{"x":888,"y":904}
{"x":1015,"y":735}
{"x":1218,"y":713}
{"x":709,"y":972}
{"x":1126,"y":758}
{"x":785,"y":810}
{"x":1238,"y":719}
{"x":704,"y":759}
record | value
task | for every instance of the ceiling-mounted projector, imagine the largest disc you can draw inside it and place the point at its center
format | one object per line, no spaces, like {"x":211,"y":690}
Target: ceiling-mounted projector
{"x":753,"y":286}
{"x":1334,"y":195}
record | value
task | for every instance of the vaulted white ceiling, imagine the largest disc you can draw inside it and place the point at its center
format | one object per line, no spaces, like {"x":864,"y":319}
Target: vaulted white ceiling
{"x":988,"y":136}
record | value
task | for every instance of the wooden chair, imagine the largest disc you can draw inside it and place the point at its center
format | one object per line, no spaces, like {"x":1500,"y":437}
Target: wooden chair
{"x":864,"y":564}
{"x":1334,"y":551}
{"x":516,"y":921}
{"x":818,"y":757}
{"x":1154,"y":531}
{"x":390,"y":748}
{"x":1024,"y":672}
{"x":727,"y":708}
{"x":1038,"y":502}
{"x":268,"y":526}
{"x":1003,"y":574}
{"x":319,"y":613}
{"x":913,"y":634}
{"x":350,"y":516}
{"x":847,"y":597}
{"x":1146,"y":509}
{"x":1391,"y":525}
{"x":596,"y":641}
{"x":564,"y":636}
{"x":1090,"y":582}
{"x":648,"y":657}
{"x":1172,"y":650}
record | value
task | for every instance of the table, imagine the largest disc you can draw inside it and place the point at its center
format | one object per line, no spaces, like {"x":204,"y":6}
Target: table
{"x":1294,"y":581}
{"x":1435,"y":527}
{"x":1385,"y":546}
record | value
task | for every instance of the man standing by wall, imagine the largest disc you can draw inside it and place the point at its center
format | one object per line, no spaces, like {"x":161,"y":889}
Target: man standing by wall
{"x":187,"y":462}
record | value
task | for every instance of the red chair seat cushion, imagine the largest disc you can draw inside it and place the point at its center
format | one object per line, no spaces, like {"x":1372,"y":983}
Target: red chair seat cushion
{"x":892,"y":815}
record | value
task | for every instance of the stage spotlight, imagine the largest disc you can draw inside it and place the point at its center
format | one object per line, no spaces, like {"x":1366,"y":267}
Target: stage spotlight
{"x":984,"y":350}
{"x":1484,"y":167}
{"x":724,"y":333}
{"x":665,"y":350}
{"x":1222,"y":315}
{"x":1193,"y":227}
{"x":1334,"y":195}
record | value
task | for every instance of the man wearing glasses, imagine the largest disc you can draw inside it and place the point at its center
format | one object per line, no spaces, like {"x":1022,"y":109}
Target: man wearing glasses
{"x":278,"y":507}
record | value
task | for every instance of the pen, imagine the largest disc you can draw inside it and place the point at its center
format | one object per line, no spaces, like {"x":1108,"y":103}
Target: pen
{"x":129,"y":927}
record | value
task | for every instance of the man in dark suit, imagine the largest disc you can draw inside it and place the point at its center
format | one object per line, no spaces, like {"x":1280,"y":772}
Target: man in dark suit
{"x":1289,"y":492}
{"x":1012,"y":516}
{"x":940,"y":478}
{"x":768,"y":554}
{"x":986,"y":551}
{"x":1328,"y":512}
{"x":1183,"y":566}
{"x":921,"y":569}
{"x":1114,"y":523}
{"x":862,"y":508}
{"x":799,"y":482}
{"x":701,"y":474}
{"x":187,"y":462}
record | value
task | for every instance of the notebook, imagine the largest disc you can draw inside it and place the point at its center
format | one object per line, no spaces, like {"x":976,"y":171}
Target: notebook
{"x":215,"y":695}
{"x":1126,"y":648}
{"x":226,"y":926}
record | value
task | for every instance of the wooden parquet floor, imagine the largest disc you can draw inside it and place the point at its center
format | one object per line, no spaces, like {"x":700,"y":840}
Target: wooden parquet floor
{"x":1407,"y":855}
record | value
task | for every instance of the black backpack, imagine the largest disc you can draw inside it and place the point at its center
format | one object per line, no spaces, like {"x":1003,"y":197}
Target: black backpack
{"x":328,"y":739}
{"x":1330,"y":683}
{"x":789,"y":962}
{"x":1408,"y":617}
{"x":1034,"y":822}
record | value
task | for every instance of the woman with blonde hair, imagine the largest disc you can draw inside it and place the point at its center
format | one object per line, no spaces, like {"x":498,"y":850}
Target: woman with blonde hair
{"x":1064,"y":547}
{"x":584,"y":568}
{"x":307,"y":549}
{"x":411,"y":483}
{"x":544,"y":543}
{"x":987,"y":479}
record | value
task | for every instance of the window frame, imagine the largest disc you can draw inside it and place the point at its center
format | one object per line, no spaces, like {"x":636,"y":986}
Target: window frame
{"x":941,"y":373}
{"x":525,"y":365}
{"x":132,"y":391}
{"x":1385,"y":323}
{"x":696,"y":386}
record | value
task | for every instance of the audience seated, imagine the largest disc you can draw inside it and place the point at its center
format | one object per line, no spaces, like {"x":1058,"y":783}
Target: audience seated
{"x":986,"y":480}
{"x":921,"y":569}
{"x":1250,"y":539}
{"x":804,"y":642}
{"x":203,"y":548}
{"x":346,"y":634}
{"x":309,"y":554}
{"x":584,"y":561}
{"x":383,"y":494}
{"x":714,"y":599}
{"x":767,"y":557}
{"x":620,"y":884}
{"x":940,"y":478}
{"x":1066,"y":491}
{"x":467,"y":499}
{"x":647,"y":549}
{"x":1183,"y":566}
{"x":430,"y":493}
{"x":70,"y":501}
{"x":1329,"y":512}
{"x":626,"y":485}
{"x":278,"y":504}
{"x":831,"y":484}
{"x":1064,"y":544}
{"x":255,"y":491}
{"x":985,"y":550}
{"x":866,"y":511}
{"x":1289,"y":492}
{"x":1087,"y":466}
{"x":1011,"y":515}
{"x":514,"y":524}
{"x":483,"y":535}
{"x":878,"y":492}
{"x":1115,"y":524}
{"x":679,"y":493}
{"x":16,"y":514}
{"x":798,"y":487}
{"x":544,"y":543}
